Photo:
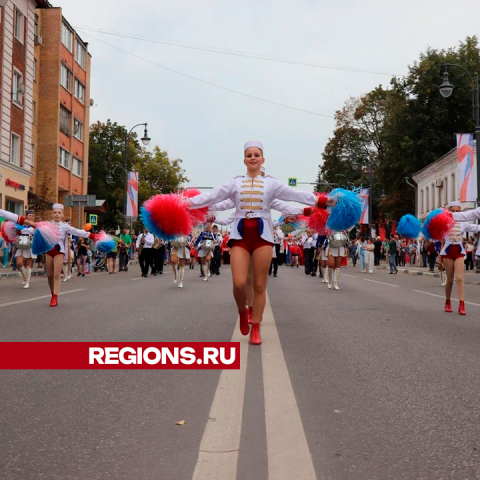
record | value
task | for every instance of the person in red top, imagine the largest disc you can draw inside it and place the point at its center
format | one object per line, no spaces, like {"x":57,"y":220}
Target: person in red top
{"x":294,"y":253}
{"x":226,"y":249}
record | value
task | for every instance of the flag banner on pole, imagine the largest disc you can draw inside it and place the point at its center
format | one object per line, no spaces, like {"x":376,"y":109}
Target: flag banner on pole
{"x":132,"y":190}
{"x":365,"y":199}
{"x":467,"y":177}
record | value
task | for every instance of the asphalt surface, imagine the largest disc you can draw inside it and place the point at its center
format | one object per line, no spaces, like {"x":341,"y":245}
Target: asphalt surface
{"x":385,"y":383}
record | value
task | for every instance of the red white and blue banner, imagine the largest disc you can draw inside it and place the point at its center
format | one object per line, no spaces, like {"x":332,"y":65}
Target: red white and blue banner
{"x":467,"y":176}
{"x":132,"y":192}
{"x":365,"y":199}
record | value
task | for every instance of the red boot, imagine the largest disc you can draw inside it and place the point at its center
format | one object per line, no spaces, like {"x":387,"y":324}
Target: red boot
{"x":461,"y":308}
{"x":54,"y":300}
{"x":255,"y":338}
{"x":448,"y":306}
{"x":250,"y":315}
{"x":244,"y":327}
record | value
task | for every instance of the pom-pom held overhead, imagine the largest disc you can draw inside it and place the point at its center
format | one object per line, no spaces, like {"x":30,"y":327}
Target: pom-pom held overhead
{"x":45,"y":237}
{"x":198,"y":215}
{"x":104,"y":242}
{"x":409,"y":226}
{"x":167,"y":216}
{"x":9,"y":231}
{"x":347,"y":210}
{"x":318,"y":221}
{"x":438,"y":224}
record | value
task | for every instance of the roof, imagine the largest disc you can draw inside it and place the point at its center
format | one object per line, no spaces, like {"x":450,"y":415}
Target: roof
{"x":43,"y":4}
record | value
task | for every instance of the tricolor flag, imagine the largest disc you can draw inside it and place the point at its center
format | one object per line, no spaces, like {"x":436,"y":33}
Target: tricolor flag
{"x":132,"y":192}
{"x":467,"y":172}
{"x":365,"y":199}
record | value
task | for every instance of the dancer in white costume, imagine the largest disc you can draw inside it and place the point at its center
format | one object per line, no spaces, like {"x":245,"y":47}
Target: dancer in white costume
{"x":180,"y":254}
{"x":206,"y":240}
{"x":24,"y":254}
{"x":335,"y":255}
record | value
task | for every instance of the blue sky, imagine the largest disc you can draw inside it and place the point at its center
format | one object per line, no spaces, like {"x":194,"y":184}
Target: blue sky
{"x":207,"y":126}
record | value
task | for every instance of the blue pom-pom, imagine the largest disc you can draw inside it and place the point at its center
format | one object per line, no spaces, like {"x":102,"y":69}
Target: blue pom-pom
{"x":41,"y":244}
{"x":429,"y":218}
{"x":347,"y":211}
{"x":106,"y":247}
{"x":147,"y":220}
{"x":409,"y":226}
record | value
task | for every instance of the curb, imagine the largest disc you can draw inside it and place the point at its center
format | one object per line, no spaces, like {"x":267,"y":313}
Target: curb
{"x":417,"y":273}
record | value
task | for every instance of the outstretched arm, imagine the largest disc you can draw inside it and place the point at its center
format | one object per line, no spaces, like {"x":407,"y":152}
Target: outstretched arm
{"x":467,"y":216}
{"x":216,"y":195}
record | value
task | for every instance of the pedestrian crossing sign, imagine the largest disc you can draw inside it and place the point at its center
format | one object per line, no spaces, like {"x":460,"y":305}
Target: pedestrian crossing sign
{"x":292,"y":182}
{"x":93,"y":219}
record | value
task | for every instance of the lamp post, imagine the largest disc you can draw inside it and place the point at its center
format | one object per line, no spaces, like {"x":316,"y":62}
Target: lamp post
{"x":146,"y":141}
{"x":446,"y":89}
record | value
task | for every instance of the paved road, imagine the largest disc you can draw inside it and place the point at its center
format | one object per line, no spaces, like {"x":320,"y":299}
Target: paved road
{"x":371,"y":382}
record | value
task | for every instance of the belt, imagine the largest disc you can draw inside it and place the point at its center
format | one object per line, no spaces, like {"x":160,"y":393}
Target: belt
{"x":252,"y":214}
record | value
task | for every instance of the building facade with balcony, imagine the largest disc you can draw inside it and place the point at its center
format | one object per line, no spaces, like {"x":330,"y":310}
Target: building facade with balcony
{"x":17,"y":25}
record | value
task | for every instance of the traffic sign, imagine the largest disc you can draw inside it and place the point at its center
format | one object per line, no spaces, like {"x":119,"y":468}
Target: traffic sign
{"x":292,"y":182}
{"x":93,"y":219}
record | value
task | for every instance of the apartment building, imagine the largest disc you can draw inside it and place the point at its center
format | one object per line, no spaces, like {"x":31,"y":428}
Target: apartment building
{"x":17,"y":24}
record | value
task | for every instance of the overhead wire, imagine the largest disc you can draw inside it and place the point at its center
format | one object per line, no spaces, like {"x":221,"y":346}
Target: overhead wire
{"x":231,"y":90}
{"x":237,"y":53}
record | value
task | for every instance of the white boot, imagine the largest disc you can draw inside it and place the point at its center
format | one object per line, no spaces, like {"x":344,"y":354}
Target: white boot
{"x":69,"y":271}
{"x":205,"y":272}
{"x":208,"y":269}
{"x":65,"y":273}
{"x":181,"y":274}
{"x":29,"y":274}
{"x":330,"y":275}
{"x":175,"y":279}
{"x":325,"y":275}
{"x":23,"y":271}
{"x":335,"y":281}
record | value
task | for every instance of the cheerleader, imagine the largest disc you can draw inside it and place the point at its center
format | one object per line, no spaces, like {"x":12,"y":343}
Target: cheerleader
{"x":179,"y":255}
{"x":23,"y":254}
{"x":252,"y":229}
{"x":206,"y":240}
{"x":322,"y":253}
{"x":56,"y":256}
{"x":452,"y":254}
{"x":335,"y":256}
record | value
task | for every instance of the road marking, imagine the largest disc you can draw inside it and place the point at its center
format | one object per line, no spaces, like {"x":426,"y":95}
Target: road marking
{"x":383,"y":283}
{"x":218,"y":455}
{"x":443,"y":296}
{"x":287,"y":447}
{"x":351,"y":276}
{"x":39,"y":298}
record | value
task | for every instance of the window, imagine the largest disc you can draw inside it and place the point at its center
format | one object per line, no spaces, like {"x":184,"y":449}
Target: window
{"x":19,"y":25}
{"x":432,"y":191}
{"x":35,"y":70}
{"x":17,"y":90}
{"x":15,"y":149}
{"x":427,"y":198}
{"x":64,"y":158}
{"x":421,"y":201}
{"x":78,"y":129}
{"x":15,"y":207}
{"x":80,"y":54}
{"x":67,"y":36}
{"x":77,"y":167}
{"x":445,"y":188}
{"x":66,"y":76}
{"x":34,"y":112}
{"x":65,"y":121}
{"x":79,"y":91}
{"x":33,"y":155}
{"x":36,"y":30}
{"x":454,"y":188}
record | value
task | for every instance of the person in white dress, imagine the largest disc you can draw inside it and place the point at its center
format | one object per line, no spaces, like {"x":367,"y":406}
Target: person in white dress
{"x":24,"y":254}
{"x":179,"y":255}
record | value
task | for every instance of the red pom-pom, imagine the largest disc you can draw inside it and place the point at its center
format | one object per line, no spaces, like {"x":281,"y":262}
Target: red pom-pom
{"x":318,"y":221}
{"x":198,"y":215}
{"x":440,"y":225}
{"x":170,"y":214}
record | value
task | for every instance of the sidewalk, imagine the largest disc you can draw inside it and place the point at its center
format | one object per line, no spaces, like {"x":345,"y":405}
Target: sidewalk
{"x":470,"y":278}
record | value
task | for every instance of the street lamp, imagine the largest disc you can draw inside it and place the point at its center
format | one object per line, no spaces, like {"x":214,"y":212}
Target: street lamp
{"x":446,"y":89}
{"x":146,"y":141}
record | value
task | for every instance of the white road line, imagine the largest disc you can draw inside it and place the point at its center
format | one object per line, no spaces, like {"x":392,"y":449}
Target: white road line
{"x":287,"y":447}
{"x":345,"y":275}
{"x":218,"y":456}
{"x":39,"y":298}
{"x":383,"y":283}
{"x":443,"y":296}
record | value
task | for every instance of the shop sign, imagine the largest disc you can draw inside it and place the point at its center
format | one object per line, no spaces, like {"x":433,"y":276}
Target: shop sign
{"x":15,"y":185}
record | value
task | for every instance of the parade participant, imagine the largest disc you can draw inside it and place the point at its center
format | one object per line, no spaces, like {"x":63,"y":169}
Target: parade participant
{"x":205,"y":245}
{"x":217,"y":252}
{"x":453,"y":255}
{"x":55,"y":257}
{"x":83,"y":246}
{"x":252,"y":231}
{"x":13,"y":217}
{"x":294,"y":254}
{"x":193,"y":254}
{"x":67,"y":265}
{"x":322,"y":255}
{"x":23,"y":254}
{"x":158,"y":251}
{"x":145,"y":256}
{"x":335,"y":256}
{"x":179,"y":255}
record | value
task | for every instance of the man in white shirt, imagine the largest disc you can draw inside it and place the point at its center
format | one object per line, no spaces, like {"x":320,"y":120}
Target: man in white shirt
{"x":217,"y":253}
{"x":145,"y":241}
{"x":277,"y":239}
